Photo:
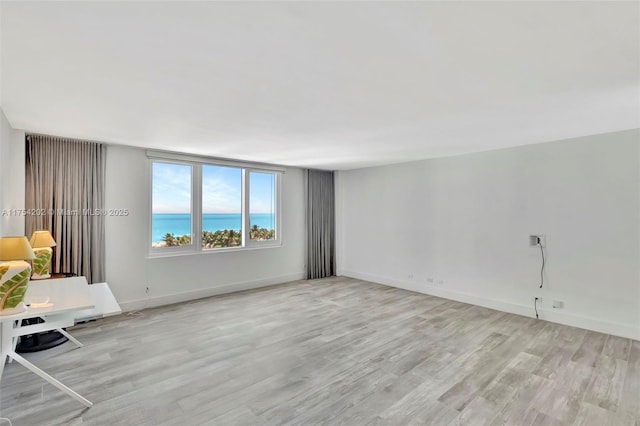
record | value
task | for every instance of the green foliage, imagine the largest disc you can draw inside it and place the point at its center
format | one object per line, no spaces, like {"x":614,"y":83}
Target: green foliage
{"x":184,"y":240}
{"x":170,"y":240}
{"x":221,"y":238}
{"x":224,"y":238}
{"x":173,"y":241}
{"x":261,"y":234}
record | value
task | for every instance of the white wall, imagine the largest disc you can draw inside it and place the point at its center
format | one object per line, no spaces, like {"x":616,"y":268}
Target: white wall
{"x":172,"y":279}
{"x":5,"y":135}
{"x":465,"y":221}
{"x":12,"y":178}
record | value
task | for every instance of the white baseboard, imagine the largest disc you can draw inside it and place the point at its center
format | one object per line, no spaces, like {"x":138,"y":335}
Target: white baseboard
{"x":168,"y":299}
{"x":574,"y":320}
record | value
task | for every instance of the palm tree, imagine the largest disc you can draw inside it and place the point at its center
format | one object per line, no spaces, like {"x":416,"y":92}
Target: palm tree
{"x":207,"y":239}
{"x":233,"y":238}
{"x":169,"y":240}
{"x":184,"y":240}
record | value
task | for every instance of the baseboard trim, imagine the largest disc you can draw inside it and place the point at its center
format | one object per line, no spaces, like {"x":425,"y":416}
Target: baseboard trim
{"x":168,"y":299}
{"x":574,"y":320}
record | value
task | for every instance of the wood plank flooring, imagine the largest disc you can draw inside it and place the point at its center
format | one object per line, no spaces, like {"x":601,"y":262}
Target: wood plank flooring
{"x":332,"y":351}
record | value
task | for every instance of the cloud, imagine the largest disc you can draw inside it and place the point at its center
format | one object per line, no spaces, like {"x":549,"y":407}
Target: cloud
{"x":221,"y":189}
{"x":262,"y":192}
{"x":171,"y":188}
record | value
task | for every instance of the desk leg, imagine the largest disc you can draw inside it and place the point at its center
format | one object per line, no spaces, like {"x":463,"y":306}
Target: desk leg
{"x":70,"y":337}
{"x":14,"y":342}
{"x":51,"y":380}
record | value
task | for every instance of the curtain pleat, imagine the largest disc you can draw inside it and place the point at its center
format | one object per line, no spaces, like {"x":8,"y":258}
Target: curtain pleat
{"x":65,"y":190}
{"x":320,"y":224}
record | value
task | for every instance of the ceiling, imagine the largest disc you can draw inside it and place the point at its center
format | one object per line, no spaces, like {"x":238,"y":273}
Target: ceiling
{"x":332,"y":85}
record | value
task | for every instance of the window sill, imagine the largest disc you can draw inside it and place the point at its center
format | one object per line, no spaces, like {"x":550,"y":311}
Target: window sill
{"x":175,"y":253}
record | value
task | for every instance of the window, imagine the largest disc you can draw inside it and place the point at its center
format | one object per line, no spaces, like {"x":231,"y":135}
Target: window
{"x":171,"y":221}
{"x":262,"y":202}
{"x":221,"y":207}
{"x":206,"y":207}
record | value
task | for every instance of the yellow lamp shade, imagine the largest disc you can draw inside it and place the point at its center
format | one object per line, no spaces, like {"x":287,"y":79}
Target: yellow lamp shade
{"x":15,"y":248}
{"x":42,"y":239}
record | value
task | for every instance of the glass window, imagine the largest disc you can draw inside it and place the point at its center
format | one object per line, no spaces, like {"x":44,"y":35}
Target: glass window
{"x":204,"y":207}
{"x":262,"y":206}
{"x":171,"y":222}
{"x":221,"y":207}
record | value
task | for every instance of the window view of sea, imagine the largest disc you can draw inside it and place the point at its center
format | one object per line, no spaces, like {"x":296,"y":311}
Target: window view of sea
{"x":180,"y":223}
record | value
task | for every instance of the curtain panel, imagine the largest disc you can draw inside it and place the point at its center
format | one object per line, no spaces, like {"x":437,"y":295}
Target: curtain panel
{"x":320,"y":224}
{"x":65,"y":190}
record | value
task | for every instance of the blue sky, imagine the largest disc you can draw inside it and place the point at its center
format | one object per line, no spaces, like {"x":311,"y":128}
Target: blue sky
{"x":261,"y":192}
{"x":221,"y":187}
{"x":171,"y":188}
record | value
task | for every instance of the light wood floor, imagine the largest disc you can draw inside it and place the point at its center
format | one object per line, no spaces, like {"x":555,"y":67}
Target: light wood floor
{"x":334,"y":351}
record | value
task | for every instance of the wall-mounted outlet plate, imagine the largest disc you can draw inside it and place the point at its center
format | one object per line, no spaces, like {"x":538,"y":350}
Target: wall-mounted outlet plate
{"x":534,"y":239}
{"x":558,"y":304}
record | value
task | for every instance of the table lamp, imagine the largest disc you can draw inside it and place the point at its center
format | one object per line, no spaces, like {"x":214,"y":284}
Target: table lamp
{"x":42,"y":241}
{"x":14,"y":273}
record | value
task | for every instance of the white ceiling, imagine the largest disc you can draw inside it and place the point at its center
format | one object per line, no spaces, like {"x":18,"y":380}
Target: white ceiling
{"x":333,"y":85}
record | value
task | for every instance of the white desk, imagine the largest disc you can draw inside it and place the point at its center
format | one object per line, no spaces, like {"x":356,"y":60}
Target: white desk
{"x":106,"y":304}
{"x":56,"y":302}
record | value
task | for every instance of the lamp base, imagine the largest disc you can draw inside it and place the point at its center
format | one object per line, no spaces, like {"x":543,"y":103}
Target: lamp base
{"x":19,"y":308}
{"x":40,"y":277}
{"x":42,"y":263}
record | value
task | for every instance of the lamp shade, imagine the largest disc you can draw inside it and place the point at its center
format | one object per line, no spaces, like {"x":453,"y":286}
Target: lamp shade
{"x":42,"y":239}
{"x":15,"y":248}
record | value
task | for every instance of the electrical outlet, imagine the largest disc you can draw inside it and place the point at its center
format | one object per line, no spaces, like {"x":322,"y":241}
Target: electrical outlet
{"x":558,"y":304}
{"x":534,"y":239}
{"x":430,"y":280}
{"x":439,"y":282}
{"x":410,"y":276}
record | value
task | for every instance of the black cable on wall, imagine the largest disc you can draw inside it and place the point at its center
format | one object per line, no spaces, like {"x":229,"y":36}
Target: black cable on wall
{"x":541,"y":268}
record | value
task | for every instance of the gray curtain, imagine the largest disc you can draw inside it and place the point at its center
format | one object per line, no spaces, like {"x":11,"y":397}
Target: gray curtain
{"x":65,"y":189}
{"x":320,"y":224}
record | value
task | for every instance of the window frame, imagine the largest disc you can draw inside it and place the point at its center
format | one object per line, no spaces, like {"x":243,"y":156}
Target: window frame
{"x":177,"y":249}
{"x":242,"y":207}
{"x":196,"y":164}
{"x":246,"y":218}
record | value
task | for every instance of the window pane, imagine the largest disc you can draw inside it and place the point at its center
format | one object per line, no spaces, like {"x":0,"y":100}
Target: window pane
{"x":262,"y":206}
{"x":171,"y":205}
{"x":221,"y":207}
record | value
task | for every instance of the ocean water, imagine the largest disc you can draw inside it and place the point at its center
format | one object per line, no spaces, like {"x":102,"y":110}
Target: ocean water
{"x":180,"y":224}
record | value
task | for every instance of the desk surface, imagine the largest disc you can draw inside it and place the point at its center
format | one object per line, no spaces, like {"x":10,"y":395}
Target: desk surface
{"x":55,"y":301}
{"x":54,"y":296}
